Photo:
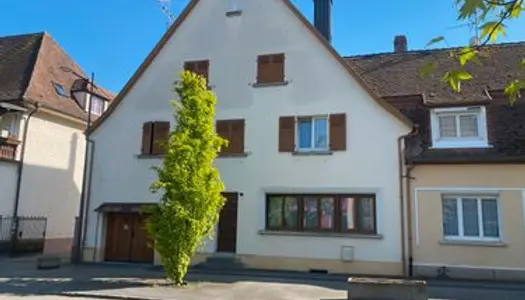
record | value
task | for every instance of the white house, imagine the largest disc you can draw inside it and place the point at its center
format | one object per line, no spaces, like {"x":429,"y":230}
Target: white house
{"x":312,"y":172}
{"x":42,"y":143}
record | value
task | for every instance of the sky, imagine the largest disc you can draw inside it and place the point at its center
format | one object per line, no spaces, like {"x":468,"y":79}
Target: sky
{"x":113,"y":37}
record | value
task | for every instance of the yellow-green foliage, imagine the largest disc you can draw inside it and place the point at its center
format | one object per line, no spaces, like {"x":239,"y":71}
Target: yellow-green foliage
{"x":190,"y":185}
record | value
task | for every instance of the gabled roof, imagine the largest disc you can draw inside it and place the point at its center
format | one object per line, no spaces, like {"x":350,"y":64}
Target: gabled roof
{"x":191,"y":5}
{"x":30,"y":68}
{"x":395,"y":76}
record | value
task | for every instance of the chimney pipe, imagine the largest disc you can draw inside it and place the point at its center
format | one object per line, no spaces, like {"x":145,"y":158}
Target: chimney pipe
{"x":323,"y":18}
{"x":400,"y":44}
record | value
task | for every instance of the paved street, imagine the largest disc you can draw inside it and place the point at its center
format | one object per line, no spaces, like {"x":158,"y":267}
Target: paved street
{"x":23,"y":281}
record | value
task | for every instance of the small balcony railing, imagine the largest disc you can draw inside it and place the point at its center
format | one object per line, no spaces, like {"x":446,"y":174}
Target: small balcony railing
{"x":8,"y":148}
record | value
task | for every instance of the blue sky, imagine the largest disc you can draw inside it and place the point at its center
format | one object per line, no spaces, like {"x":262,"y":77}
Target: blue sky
{"x":112,"y":37}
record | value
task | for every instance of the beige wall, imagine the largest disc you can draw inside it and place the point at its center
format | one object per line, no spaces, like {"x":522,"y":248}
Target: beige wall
{"x":507,"y":181}
{"x":52,"y":176}
{"x":8,"y":175}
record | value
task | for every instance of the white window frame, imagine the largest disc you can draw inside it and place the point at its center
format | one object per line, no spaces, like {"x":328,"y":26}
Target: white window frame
{"x":459,"y":142}
{"x":89,"y":105}
{"x":459,"y":208}
{"x":312,"y":147}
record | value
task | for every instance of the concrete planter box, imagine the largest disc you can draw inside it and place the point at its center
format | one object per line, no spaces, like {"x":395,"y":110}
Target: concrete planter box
{"x":386,"y":289}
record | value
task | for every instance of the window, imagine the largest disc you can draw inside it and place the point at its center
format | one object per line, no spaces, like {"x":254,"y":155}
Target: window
{"x":459,"y":127}
{"x":154,"y":137}
{"x":471,"y":218}
{"x":233,"y":131}
{"x":10,"y":124}
{"x":97,"y":106}
{"x":333,"y":213}
{"x":270,"y":68}
{"x":60,"y":90}
{"x":312,"y":133}
{"x":200,"y":67}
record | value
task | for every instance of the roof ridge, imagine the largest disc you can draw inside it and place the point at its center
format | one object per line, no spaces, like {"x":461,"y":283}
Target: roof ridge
{"x":424,"y":51}
{"x":41,"y":33}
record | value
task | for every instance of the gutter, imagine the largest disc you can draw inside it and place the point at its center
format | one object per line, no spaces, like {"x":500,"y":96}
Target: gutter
{"x":14,"y":232}
{"x":404,"y":225}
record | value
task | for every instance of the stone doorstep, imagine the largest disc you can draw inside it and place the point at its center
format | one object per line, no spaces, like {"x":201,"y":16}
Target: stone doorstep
{"x":364,"y":288}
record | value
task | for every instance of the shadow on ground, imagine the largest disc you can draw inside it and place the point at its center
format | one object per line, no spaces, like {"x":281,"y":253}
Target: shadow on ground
{"x":23,"y":279}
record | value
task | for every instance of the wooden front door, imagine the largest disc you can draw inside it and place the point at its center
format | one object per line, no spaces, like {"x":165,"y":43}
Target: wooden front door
{"x":227,"y":233}
{"x":126,"y":238}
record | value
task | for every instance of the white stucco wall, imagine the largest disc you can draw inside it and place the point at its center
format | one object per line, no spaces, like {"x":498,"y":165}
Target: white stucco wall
{"x":318,"y":85}
{"x":52,"y":174}
{"x":8,"y":172}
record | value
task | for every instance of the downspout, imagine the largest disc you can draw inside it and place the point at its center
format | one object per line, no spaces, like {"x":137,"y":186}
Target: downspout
{"x":401,"y":160}
{"x":409,"y":221}
{"x":88,"y":193}
{"x":14,"y":232}
{"x":77,"y":253}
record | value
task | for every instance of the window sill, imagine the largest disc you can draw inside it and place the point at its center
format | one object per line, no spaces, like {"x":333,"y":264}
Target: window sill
{"x":150,"y":156}
{"x":313,"y":153}
{"x":270,"y":84}
{"x":466,"y":145}
{"x":233,"y":155}
{"x":473,"y":243}
{"x":234,"y":13}
{"x":322,"y":234}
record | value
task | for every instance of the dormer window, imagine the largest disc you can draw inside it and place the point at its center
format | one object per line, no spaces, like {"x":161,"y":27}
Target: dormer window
{"x":459,"y":127}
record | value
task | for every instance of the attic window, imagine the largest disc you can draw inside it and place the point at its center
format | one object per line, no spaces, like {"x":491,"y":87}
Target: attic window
{"x":459,"y":127}
{"x":60,"y":90}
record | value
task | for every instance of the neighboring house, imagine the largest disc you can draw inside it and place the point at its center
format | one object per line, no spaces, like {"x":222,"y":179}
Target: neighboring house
{"x":312,"y":168}
{"x":467,"y":179}
{"x":52,"y":160}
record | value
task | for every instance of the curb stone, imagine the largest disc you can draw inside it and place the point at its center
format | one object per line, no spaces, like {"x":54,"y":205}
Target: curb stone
{"x":105,"y":296}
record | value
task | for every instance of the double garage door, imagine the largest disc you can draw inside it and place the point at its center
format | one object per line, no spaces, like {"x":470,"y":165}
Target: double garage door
{"x":127,"y":239}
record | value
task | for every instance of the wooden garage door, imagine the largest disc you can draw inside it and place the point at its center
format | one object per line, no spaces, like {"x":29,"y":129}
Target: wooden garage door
{"x":227,"y":233}
{"x":126,"y":239}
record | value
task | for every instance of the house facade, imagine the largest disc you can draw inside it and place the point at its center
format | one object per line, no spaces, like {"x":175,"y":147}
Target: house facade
{"x":347,"y":165}
{"x":465,"y":166}
{"x":42,"y":141}
{"x":307,"y":186}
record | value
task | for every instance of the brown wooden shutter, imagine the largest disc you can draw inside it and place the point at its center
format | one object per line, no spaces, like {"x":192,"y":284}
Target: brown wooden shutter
{"x":287,"y":134}
{"x":161,"y":131}
{"x":270,"y":68}
{"x":338,"y":132}
{"x":200,"y":67}
{"x":237,"y":136}
{"x":222,"y":127}
{"x":147,"y":131}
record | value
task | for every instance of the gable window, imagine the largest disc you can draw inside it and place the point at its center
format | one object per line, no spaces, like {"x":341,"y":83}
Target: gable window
{"x":312,"y":133}
{"x":154,"y":137}
{"x":464,"y":127}
{"x":311,"y":213}
{"x":471,"y":218}
{"x":200,"y":67}
{"x":270,"y":68}
{"x":97,"y":106}
{"x":10,"y":125}
{"x":233,"y":131}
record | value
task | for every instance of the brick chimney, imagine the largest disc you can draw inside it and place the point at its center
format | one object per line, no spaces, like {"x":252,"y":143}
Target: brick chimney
{"x":400,"y":44}
{"x":323,"y":18}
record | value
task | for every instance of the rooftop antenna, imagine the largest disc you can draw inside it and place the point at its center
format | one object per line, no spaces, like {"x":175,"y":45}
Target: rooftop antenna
{"x":165,"y":7}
